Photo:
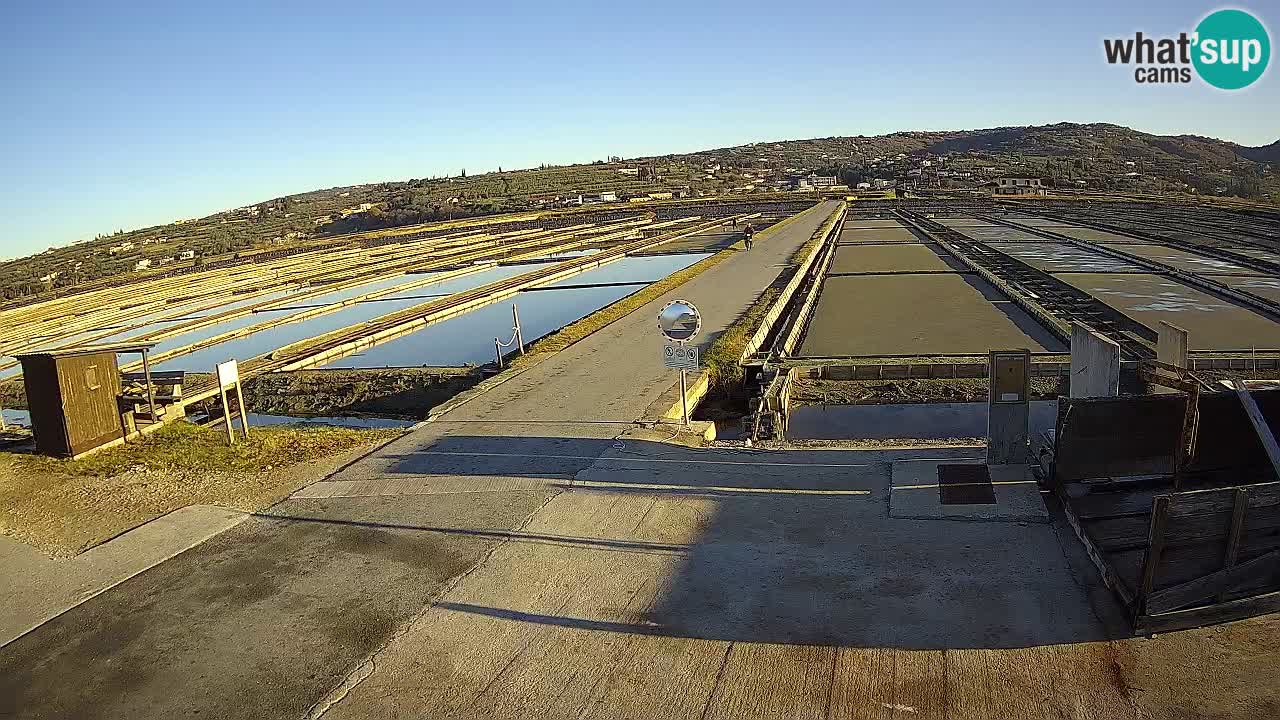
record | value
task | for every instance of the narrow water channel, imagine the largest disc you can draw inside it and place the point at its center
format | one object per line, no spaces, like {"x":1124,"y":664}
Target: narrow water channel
{"x":468,"y":339}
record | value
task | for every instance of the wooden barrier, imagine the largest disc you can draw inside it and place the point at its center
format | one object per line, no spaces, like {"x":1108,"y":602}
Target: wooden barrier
{"x":1206,"y":553}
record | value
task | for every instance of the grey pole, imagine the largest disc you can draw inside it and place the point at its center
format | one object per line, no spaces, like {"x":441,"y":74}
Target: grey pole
{"x":684,"y":402}
{"x":497,"y":349}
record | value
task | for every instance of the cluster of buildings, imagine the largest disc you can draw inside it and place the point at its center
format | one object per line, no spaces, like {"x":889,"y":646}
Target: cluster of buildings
{"x":146,"y":263}
{"x":1019,"y":186}
{"x":143,"y":263}
{"x":603,"y":197}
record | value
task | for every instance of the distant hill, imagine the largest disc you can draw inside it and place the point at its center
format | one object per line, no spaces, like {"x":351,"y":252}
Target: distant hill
{"x":1098,"y":156}
{"x":1265,"y":154}
{"x":1091,"y":156}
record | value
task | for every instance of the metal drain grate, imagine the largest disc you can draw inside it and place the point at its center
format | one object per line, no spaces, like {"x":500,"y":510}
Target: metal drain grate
{"x":965,"y":485}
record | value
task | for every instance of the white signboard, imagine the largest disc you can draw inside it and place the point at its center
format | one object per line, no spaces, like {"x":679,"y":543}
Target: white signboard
{"x":228,"y":374}
{"x":679,"y":356}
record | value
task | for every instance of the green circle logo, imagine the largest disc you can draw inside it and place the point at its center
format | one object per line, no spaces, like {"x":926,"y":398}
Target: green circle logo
{"x":1231,"y":49}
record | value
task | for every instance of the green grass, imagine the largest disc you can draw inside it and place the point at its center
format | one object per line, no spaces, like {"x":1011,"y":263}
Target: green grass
{"x":184,"y":447}
{"x":723,"y":359}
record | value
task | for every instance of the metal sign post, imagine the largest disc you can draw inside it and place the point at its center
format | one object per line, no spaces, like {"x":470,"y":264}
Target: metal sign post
{"x":679,"y":321}
{"x":684,"y":398}
{"x":229,"y":379}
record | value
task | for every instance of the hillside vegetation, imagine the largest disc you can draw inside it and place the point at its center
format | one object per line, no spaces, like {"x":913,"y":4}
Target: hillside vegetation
{"x":1095,"y":157}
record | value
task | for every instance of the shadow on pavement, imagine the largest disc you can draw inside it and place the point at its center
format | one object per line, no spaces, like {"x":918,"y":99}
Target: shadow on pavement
{"x":799,"y":548}
{"x":788,"y":547}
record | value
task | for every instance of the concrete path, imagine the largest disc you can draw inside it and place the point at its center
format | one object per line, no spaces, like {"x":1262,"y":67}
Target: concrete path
{"x":615,"y":374}
{"x":41,"y":588}
{"x":692,"y":583}
{"x":526,"y":556}
{"x":665,"y":582}
{"x":262,"y":620}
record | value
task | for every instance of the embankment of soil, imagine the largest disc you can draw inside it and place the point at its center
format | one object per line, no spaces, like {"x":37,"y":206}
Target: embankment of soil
{"x":396,"y":392}
{"x":393,"y":392}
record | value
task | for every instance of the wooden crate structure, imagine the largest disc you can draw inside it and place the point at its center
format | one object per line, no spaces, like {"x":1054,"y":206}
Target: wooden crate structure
{"x":73,"y":397}
{"x":1205,"y":551}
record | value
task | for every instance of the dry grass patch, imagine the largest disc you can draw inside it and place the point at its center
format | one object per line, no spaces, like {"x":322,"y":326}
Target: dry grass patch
{"x":66,"y":506}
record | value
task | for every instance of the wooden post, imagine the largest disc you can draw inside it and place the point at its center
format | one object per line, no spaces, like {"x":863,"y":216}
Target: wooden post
{"x":1234,"y":533}
{"x":244,"y":415}
{"x":226,"y":414}
{"x":151,"y":392}
{"x":515,"y":318}
{"x":1190,"y":433}
{"x":1155,"y":548}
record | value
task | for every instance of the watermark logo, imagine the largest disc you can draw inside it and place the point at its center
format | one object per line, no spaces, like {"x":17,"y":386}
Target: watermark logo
{"x":1229,"y":49}
{"x":1234,"y":49}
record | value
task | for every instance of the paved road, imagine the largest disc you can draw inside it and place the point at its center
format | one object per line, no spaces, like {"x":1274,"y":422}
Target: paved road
{"x":265,"y":618}
{"x":676,"y":583}
{"x":529,"y":557}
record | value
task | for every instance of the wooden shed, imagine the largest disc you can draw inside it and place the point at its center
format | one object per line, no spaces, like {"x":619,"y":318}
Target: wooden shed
{"x":73,"y":396}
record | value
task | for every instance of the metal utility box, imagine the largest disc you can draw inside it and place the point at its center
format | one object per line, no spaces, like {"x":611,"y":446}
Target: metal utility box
{"x":72,"y":395}
{"x":1008,"y":407}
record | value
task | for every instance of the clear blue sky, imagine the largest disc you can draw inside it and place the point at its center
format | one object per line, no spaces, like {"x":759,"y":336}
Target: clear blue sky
{"x":122,"y":115}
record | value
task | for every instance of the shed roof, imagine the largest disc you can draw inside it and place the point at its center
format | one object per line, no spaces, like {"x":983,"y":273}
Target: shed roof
{"x":89,"y":350}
